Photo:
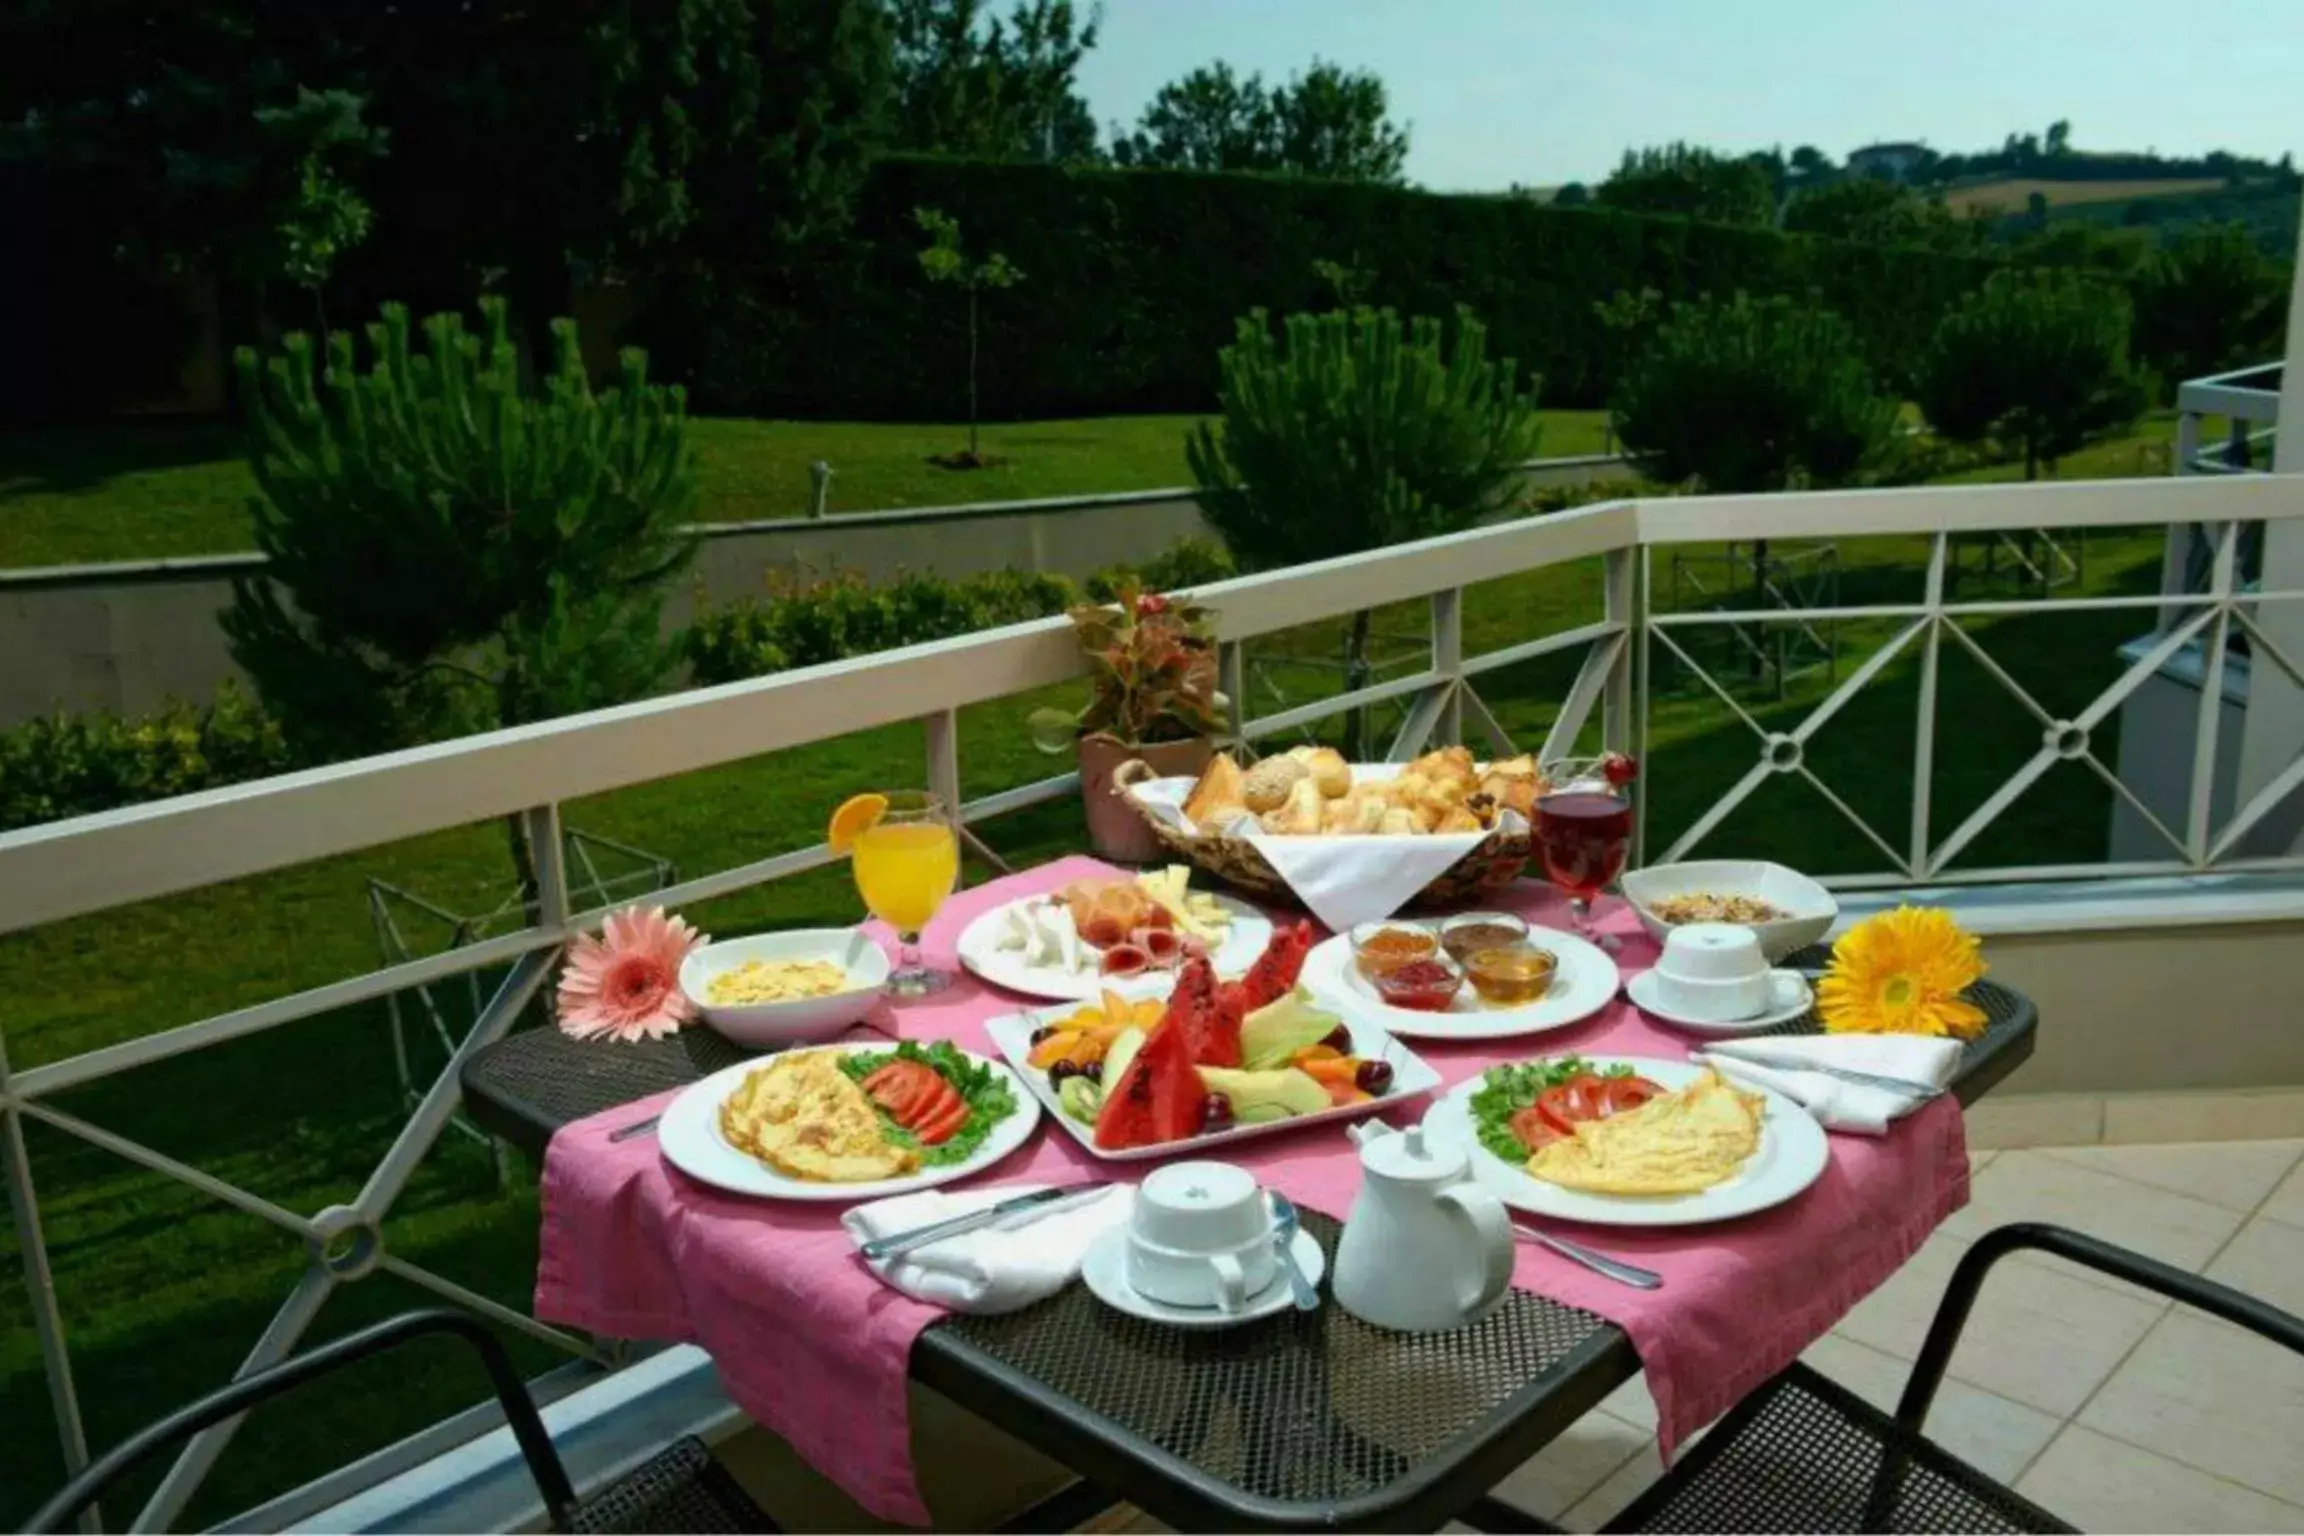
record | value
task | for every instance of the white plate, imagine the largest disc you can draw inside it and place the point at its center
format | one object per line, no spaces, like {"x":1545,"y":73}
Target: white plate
{"x":1106,"y":1271}
{"x":1251,"y":930}
{"x":1585,"y":983}
{"x":1791,"y":1156}
{"x":1789,"y":998}
{"x":1411,"y":1076}
{"x":690,"y":1136}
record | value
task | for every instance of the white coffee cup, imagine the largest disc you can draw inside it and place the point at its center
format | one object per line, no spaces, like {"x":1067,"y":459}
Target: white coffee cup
{"x":1200,"y":1235}
{"x":1714,"y":972}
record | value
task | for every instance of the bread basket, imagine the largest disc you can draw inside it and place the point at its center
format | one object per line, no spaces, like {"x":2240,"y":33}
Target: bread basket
{"x":1494,"y":863}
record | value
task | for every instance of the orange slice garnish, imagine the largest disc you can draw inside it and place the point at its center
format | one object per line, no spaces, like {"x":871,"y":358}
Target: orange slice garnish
{"x":858,"y":814}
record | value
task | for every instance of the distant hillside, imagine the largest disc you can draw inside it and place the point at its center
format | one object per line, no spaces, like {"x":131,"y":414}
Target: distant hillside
{"x":2013,"y":194}
{"x":2267,"y":210}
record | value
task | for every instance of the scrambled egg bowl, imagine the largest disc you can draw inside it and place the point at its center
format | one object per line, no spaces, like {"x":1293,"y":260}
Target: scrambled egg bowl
{"x":775,"y":981}
{"x":1675,"y":1144}
{"x":804,"y":1117}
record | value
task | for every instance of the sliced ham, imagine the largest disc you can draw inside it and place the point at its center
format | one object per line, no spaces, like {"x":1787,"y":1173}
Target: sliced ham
{"x":1124,"y":959}
{"x":1163,"y":946}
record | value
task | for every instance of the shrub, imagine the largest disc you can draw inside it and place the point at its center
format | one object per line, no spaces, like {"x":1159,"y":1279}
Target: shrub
{"x":2037,"y":362}
{"x":1754,"y":395}
{"x":1190,"y":562}
{"x":67,"y":764}
{"x":448,"y":545}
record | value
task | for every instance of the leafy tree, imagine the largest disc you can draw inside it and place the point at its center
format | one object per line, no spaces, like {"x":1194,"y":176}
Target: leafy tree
{"x":1876,"y":212}
{"x":2059,"y":138}
{"x":999,"y":87}
{"x":1333,"y":122}
{"x":2209,"y":300}
{"x":1349,"y":431}
{"x":1573,"y":194}
{"x":1754,"y":395}
{"x":1328,"y":122}
{"x":1209,"y":120}
{"x":1810,"y":165}
{"x":1694,"y":183}
{"x":449,"y":549}
{"x":945,"y":262}
{"x":2036,"y":361}
{"x":213,"y":134}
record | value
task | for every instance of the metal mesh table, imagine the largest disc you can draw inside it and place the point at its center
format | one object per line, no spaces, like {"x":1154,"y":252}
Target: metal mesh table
{"x":1295,"y":1422}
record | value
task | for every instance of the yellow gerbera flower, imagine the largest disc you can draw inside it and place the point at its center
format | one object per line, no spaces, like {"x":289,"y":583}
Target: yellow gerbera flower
{"x":1902,"y":973}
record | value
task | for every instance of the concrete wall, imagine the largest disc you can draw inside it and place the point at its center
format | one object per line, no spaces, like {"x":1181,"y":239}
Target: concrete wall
{"x":130,"y":637}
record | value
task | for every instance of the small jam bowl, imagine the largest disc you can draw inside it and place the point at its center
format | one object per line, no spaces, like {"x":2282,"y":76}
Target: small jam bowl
{"x":1469,"y":931}
{"x":1511,"y":974}
{"x":1380,"y":946}
{"x":1429,"y":985}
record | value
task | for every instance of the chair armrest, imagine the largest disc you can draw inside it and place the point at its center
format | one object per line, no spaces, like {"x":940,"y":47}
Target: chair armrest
{"x":246,"y":1392}
{"x":2209,"y":1296}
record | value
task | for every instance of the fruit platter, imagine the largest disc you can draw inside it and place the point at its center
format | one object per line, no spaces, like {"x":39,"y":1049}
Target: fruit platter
{"x":1212,"y":1062}
{"x":1312,"y":796}
{"x":1131,"y":933}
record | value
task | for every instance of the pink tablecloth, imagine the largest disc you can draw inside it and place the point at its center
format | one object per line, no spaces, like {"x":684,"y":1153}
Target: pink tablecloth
{"x":817,"y":1350}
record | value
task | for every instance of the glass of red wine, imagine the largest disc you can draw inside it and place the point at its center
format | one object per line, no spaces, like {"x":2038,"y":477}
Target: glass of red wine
{"x":1584,"y":832}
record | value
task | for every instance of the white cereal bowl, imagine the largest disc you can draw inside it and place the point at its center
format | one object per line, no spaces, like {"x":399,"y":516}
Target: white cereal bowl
{"x":1811,"y":907}
{"x":805,"y":1020}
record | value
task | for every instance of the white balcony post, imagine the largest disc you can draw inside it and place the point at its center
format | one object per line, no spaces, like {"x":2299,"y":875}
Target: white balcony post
{"x":1448,"y":661}
{"x":2273,"y":731}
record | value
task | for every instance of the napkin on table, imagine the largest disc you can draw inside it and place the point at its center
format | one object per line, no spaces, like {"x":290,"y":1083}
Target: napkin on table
{"x":1837,"y":1104}
{"x":1002,"y":1267}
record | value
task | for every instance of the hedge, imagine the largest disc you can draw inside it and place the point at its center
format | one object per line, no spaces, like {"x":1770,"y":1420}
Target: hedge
{"x":67,"y":764}
{"x":1133,"y":280}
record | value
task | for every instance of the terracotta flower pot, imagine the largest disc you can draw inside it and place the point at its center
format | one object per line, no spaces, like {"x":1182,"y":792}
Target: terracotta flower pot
{"x":1114,"y":831}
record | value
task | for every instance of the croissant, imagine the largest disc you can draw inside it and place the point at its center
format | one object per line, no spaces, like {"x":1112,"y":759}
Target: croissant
{"x":1458,"y":819}
{"x":1398,"y":823}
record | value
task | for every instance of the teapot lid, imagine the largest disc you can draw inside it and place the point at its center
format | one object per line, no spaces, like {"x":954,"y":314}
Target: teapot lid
{"x":1412,"y":1156}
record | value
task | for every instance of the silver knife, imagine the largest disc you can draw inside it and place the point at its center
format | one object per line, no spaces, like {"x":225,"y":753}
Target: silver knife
{"x":1844,"y":1074}
{"x":1047,"y":1201}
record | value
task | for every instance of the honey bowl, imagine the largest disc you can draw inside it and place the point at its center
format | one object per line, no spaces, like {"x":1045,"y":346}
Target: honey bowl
{"x":1511,"y":974}
{"x":1386,"y":946}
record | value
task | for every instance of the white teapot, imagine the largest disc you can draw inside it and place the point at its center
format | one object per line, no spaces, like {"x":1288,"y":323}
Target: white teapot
{"x":1425,"y":1247}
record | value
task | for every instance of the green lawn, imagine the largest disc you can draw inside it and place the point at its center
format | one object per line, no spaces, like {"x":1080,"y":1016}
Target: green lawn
{"x":148,"y":491}
{"x":164,"y":1292}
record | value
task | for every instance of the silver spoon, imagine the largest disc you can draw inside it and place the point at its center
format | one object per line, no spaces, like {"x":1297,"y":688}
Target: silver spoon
{"x":1284,"y":1227}
{"x":1598,"y":1263}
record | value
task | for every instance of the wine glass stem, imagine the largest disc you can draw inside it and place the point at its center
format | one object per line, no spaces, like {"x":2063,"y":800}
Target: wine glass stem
{"x":1580,"y":911}
{"x":908,"y":950}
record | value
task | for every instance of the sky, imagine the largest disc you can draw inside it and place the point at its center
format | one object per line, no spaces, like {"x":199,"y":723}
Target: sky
{"x":1546,"y":91}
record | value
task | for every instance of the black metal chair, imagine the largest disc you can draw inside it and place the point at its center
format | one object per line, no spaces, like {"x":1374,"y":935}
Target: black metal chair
{"x":681,"y":1488}
{"x":1805,"y":1454}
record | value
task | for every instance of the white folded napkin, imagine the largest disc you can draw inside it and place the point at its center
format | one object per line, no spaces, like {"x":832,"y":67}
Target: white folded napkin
{"x":1007,"y":1265}
{"x":1837,"y":1104}
{"x":1348,"y":880}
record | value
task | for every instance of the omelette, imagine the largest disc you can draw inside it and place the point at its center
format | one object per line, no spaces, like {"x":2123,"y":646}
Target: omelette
{"x":803,"y":1116}
{"x":1675,"y":1144}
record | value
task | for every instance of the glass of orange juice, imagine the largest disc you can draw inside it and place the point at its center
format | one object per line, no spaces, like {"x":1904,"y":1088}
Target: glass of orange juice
{"x":907,"y":859}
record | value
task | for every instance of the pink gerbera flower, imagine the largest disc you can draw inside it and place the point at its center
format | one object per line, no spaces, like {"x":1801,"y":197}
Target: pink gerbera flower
{"x":626,"y":983}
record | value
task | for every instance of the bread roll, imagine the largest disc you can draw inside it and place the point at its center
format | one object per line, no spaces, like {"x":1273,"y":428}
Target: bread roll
{"x":1266,"y":786}
{"x":1398,"y":823}
{"x":1328,"y":769}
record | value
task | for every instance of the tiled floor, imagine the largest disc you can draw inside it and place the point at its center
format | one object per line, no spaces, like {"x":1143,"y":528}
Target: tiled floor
{"x":2108,"y":1407}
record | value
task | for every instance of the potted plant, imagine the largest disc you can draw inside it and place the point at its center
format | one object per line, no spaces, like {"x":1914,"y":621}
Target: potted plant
{"x":1152,"y":695}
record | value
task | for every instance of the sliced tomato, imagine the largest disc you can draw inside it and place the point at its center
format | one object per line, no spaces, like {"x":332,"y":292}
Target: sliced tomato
{"x":1588,"y":1096}
{"x":941,"y":1128}
{"x":936,"y":1105}
{"x":1619,"y":1094}
{"x":903,"y":1088}
{"x":887,"y":1073}
{"x":1532,"y":1130}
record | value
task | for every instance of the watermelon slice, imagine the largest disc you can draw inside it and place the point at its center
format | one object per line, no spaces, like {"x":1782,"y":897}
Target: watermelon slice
{"x":1275,"y":970}
{"x":1158,"y":1098}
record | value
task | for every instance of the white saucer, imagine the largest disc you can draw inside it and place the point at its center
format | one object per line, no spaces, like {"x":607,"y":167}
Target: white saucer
{"x":1789,"y":996}
{"x":1106,"y":1271}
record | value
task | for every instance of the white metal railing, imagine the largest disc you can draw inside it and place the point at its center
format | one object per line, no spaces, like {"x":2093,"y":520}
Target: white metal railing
{"x":55,"y":872}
